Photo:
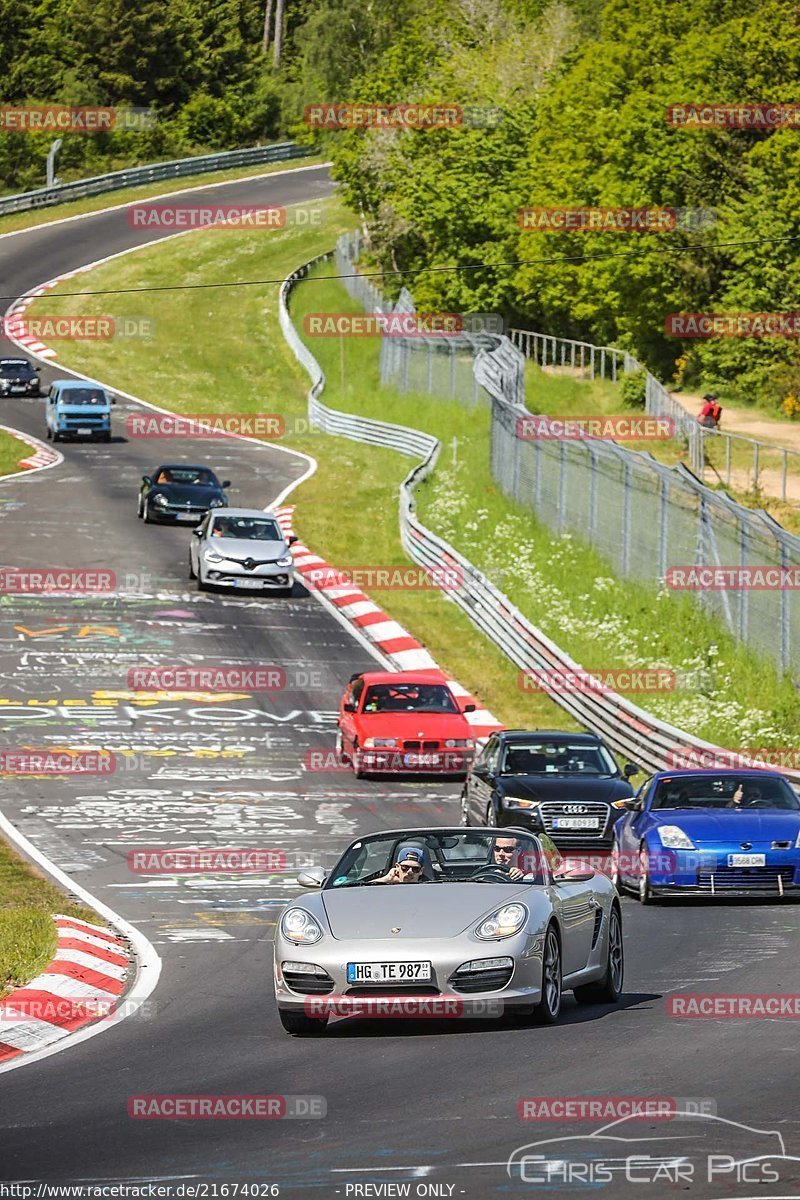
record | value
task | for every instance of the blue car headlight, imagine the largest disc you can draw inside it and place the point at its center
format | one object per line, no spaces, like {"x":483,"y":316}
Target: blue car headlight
{"x":797,"y":843}
{"x":299,"y":926}
{"x":673,"y":838}
{"x":503,"y":922}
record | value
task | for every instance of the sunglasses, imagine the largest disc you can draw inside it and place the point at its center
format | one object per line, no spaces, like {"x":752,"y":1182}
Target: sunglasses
{"x":407,"y":866}
{"x":504,"y":849}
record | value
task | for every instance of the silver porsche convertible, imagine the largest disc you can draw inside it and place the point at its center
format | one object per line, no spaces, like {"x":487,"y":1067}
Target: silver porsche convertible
{"x":447,"y":922}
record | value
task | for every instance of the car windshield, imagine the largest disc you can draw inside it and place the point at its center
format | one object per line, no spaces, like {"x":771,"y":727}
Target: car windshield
{"x":409,"y":697}
{"x":83,"y":396}
{"x":540,"y":757}
{"x":250,"y":529}
{"x":725,"y":791}
{"x":199,"y":476}
{"x":14,"y":366}
{"x":446,"y":857}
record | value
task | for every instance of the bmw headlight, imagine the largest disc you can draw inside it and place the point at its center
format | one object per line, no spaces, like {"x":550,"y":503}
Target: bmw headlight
{"x":459,"y":743}
{"x":299,"y":926}
{"x":375,"y":743}
{"x":286,"y":561}
{"x":673,"y":838}
{"x":212,"y":556}
{"x":503,"y":923}
{"x":160,"y":500}
{"x":518,"y":802}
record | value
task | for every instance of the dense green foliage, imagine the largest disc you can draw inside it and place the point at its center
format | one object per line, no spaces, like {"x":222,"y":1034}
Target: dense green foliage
{"x":581,"y":88}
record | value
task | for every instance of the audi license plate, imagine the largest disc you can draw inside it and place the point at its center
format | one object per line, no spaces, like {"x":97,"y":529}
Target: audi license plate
{"x":421,"y":760}
{"x":747,"y":860}
{"x":188,"y":516}
{"x":389,"y":972}
{"x":576,"y":822}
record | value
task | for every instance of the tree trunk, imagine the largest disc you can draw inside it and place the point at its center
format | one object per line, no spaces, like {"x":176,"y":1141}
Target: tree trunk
{"x":267,"y":23}
{"x":279,"y":10}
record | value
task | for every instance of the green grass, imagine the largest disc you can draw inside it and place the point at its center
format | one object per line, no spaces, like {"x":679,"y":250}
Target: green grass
{"x":12,"y":450}
{"x":27,"y":932}
{"x":165,"y":187}
{"x":222,"y":349}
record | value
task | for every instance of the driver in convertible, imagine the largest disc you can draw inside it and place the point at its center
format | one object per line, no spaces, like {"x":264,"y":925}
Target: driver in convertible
{"x":506,"y":856}
{"x":407,"y":866}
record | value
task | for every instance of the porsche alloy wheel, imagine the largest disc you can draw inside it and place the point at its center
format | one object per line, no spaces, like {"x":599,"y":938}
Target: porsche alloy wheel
{"x":547,"y":1010}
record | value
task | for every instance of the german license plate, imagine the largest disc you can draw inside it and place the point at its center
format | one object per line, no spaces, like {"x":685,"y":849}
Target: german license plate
{"x":576,"y":822}
{"x":747,"y":860}
{"x":389,"y":972}
{"x":188,"y":516}
{"x":421,"y":760}
{"x":82,"y":432}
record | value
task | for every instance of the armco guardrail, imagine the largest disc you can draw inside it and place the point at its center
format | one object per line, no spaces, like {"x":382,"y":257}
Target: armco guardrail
{"x":79,"y":189}
{"x":628,"y":729}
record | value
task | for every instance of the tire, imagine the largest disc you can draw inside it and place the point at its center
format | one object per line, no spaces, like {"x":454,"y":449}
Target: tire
{"x":299,"y":1025}
{"x":355,"y":761}
{"x":616,"y":878}
{"x":191,"y":569}
{"x":608,"y":989}
{"x":491,"y":816}
{"x":340,"y":751}
{"x":49,"y":433}
{"x":106,"y":437}
{"x":547,"y":1011}
{"x":644,"y":892}
{"x":148,"y":520}
{"x":464,"y":807}
{"x":56,"y":436}
{"x":201,"y":586}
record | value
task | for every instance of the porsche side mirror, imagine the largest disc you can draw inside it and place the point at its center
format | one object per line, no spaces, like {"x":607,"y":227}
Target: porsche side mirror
{"x":146,"y":479}
{"x":349,"y":706}
{"x":226,"y":483}
{"x":469,"y":708}
{"x":313,"y":878}
{"x":631,"y":769}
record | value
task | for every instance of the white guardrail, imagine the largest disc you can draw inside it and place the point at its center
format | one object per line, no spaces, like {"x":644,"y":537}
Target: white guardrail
{"x":200,"y":164}
{"x":629,"y":730}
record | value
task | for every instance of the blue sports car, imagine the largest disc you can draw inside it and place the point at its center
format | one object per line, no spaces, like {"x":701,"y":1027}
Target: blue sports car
{"x":709,"y":833}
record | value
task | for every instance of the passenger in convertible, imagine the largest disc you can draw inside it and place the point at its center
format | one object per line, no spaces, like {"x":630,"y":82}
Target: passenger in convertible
{"x":407,"y":868}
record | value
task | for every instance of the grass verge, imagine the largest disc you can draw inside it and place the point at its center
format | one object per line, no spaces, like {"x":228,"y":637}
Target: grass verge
{"x":27,"y":932}
{"x":12,"y":450}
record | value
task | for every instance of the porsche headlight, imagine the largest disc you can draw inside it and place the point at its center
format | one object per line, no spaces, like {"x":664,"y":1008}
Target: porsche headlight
{"x":503,"y":923}
{"x":518,"y":802}
{"x":673,"y":838}
{"x":299,"y":926}
{"x":376,"y":743}
{"x":286,"y":561}
{"x":160,"y":500}
{"x":212,"y":556}
{"x":216,"y":503}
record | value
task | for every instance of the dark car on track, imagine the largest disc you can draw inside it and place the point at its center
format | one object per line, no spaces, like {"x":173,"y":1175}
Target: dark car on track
{"x":553,"y":782}
{"x":18,"y":377}
{"x":178,"y":493}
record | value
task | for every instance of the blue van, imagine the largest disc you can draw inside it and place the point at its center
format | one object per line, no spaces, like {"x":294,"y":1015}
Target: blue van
{"x":78,"y":408}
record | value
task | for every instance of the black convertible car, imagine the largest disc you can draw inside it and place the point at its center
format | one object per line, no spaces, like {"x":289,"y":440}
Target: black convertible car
{"x":18,"y":377}
{"x":549,"y":781}
{"x":178,"y":493}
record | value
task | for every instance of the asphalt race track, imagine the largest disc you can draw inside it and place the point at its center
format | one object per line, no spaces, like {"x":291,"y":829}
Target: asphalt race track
{"x":420,"y":1103}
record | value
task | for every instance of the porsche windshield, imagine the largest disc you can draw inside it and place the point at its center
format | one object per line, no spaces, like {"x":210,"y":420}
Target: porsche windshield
{"x":409,"y":697}
{"x":541,"y":757}
{"x":468,"y":857}
{"x":726,"y":791}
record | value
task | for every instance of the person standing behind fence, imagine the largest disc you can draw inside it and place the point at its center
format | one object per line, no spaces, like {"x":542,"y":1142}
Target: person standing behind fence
{"x":711,"y":411}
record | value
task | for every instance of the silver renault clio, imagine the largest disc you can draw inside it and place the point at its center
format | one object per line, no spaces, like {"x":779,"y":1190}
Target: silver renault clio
{"x":241,"y":548}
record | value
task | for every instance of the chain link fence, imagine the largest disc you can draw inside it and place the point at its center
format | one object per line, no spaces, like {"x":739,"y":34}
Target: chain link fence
{"x":646,"y":519}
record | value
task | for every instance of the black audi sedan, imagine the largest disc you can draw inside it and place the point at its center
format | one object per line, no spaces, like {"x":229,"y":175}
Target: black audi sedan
{"x":18,"y":377}
{"x":549,"y":781}
{"x":178,"y":493}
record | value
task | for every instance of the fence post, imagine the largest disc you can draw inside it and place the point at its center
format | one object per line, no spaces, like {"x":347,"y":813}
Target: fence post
{"x":755,"y":466}
{"x":592,"y":493}
{"x":626,"y":517}
{"x":562,"y":484}
{"x":744,"y":595}
{"x":663,"y":529}
{"x":783,"y":477}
